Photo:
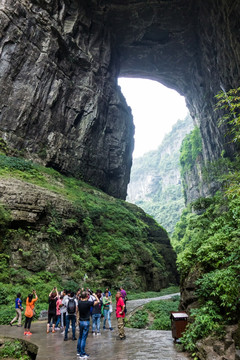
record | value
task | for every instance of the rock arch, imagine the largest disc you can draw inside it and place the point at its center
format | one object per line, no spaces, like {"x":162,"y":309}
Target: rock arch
{"x":59,"y":64}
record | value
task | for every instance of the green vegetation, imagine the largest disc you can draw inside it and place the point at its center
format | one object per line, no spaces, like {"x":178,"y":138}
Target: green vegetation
{"x":207,"y":242}
{"x":191,"y":148}
{"x":229,"y":104}
{"x":151,"y":294}
{"x":206,"y":238}
{"x":106,"y":239}
{"x":163,"y":196}
{"x":154,"y":315}
{"x":14,"y":349}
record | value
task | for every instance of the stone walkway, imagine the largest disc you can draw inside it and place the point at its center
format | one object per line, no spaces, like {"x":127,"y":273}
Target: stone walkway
{"x":139,"y":345}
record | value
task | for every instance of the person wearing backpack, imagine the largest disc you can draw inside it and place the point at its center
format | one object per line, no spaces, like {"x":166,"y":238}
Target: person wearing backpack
{"x":71,"y":306}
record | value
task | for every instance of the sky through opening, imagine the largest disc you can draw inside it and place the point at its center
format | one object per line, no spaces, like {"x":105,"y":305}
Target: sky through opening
{"x":155,"y":110}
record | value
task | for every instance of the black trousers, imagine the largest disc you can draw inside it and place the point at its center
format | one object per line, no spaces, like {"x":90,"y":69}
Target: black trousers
{"x":28,"y":321}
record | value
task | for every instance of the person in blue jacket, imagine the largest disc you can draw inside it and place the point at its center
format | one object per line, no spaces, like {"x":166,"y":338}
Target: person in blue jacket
{"x":19,"y":309}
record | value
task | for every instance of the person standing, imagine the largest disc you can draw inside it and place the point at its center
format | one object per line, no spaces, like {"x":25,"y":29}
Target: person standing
{"x":63,"y":310}
{"x":30,"y":303}
{"x":52,"y":309}
{"x":120,"y":315}
{"x":84,"y":306}
{"x":124,"y":296}
{"x":58,"y":312}
{"x":106,"y":310}
{"x":71,"y":312}
{"x":19,"y":309}
{"x":96,"y":314}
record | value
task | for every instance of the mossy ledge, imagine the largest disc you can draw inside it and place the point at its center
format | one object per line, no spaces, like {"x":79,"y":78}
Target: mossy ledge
{"x":59,"y":230}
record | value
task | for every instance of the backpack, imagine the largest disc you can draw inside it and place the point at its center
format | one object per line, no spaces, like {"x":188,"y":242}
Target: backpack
{"x":71,"y":307}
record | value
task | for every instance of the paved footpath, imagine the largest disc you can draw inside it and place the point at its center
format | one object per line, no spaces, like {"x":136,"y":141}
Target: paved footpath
{"x":139,"y":345}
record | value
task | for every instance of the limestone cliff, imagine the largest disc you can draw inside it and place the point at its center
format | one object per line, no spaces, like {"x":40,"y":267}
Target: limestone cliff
{"x":155,"y":182}
{"x":60,"y":103}
{"x":60,"y":59}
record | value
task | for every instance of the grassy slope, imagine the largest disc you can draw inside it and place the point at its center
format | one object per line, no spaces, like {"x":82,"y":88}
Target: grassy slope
{"x":108,"y":239}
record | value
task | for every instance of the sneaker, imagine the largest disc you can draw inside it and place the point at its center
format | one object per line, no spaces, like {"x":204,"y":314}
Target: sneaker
{"x":62,"y":333}
{"x":74,"y":338}
{"x":18,"y":325}
{"x":65,"y":339}
{"x":111,"y":329}
{"x":81,"y":357}
{"x":29,"y":333}
{"x":99,"y":333}
{"x":86,"y":356}
{"x":25,"y":333}
{"x":104,"y":328}
{"x":57,"y":328}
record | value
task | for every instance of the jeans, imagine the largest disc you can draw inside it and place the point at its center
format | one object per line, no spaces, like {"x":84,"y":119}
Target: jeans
{"x":58,"y":320}
{"x":107,"y":314}
{"x":96,"y":322}
{"x":83,"y":333}
{"x":71,"y":318}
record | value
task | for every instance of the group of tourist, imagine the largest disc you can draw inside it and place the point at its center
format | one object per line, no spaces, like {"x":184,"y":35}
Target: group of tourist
{"x":67,"y":308}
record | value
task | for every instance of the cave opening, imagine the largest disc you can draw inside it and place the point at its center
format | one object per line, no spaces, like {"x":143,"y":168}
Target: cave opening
{"x":155,"y":109}
{"x":161,"y":121}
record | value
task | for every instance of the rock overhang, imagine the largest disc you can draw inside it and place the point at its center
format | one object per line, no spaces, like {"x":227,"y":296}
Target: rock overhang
{"x":70,"y":54}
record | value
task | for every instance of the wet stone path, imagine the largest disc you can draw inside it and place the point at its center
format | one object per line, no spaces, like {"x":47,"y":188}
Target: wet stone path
{"x":139,"y":344}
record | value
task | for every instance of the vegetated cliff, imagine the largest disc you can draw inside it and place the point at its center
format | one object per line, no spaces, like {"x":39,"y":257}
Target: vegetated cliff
{"x":59,"y":229}
{"x":206,"y":240}
{"x":59,"y":63}
{"x":155,"y":182}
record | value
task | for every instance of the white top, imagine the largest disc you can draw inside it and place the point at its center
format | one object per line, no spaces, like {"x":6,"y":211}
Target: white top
{"x":65,"y":302}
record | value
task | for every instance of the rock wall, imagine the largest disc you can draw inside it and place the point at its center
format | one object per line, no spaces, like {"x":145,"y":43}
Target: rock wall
{"x":60,"y":59}
{"x":60,"y":103}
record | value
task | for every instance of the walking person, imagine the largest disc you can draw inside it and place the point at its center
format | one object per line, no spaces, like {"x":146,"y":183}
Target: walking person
{"x":120,"y":315}
{"x":96,"y":314}
{"x":52,"y":309}
{"x":30,"y":303}
{"x":84,"y":306}
{"x":71,"y":313}
{"x":19,"y":309}
{"x":106,"y":310}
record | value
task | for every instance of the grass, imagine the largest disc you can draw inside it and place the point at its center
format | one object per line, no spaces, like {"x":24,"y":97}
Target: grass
{"x":154,"y":315}
{"x":103,"y":237}
{"x":152,"y":294}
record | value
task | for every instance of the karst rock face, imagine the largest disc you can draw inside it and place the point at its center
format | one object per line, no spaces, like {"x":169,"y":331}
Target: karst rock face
{"x":59,"y":63}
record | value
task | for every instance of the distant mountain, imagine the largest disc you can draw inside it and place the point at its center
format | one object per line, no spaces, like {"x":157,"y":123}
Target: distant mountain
{"x":155,"y":183}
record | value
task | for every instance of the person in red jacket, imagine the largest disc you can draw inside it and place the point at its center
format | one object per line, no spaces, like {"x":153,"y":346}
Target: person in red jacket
{"x":120,"y":314}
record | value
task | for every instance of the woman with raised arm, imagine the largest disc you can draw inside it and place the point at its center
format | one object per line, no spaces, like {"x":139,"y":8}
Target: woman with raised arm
{"x":30,"y":303}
